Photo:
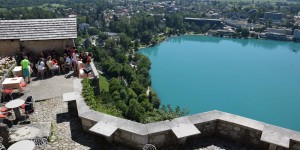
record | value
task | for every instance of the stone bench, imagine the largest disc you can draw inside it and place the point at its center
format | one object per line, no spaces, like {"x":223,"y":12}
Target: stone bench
{"x":276,"y":136}
{"x":104,"y":129}
{"x":71,"y":96}
{"x":183,"y":128}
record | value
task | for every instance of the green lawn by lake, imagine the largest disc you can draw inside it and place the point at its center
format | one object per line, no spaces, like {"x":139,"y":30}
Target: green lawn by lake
{"x":104,"y":85}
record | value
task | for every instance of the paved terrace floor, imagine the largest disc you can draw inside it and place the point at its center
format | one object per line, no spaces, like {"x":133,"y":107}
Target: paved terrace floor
{"x":67,"y":132}
{"x":49,"y":87}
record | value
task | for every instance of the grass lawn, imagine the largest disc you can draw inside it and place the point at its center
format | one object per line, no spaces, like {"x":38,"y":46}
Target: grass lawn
{"x":104,"y":85}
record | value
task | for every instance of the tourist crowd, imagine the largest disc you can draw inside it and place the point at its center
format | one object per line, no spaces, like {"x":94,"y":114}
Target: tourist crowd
{"x":52,"y":61}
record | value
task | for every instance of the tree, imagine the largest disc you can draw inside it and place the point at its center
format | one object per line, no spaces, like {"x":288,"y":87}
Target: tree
{"x":245,"y":32}
{"x":146,"y":37}
{"x":115,"y":85}
{"x":125,"y":41}
{"x":102,"y":36}
{"x":131,"y":94}
{"x":135,"y":110}
{"x":154,"y":99}
{"x":137,"y":87}
{"x":93,"y":31}
{"x":122,"y":106}
{"x":87,"y":43}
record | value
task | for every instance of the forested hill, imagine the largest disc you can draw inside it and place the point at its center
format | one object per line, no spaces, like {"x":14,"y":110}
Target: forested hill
{"x":27,"y":3}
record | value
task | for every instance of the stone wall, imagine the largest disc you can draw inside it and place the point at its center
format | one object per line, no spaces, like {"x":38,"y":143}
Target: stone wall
{"x":8,"y":47}
{"x":37,"y":46}
{"x":295,"y":145}
{"x":241,"y":134}
{"x":171,"y":132}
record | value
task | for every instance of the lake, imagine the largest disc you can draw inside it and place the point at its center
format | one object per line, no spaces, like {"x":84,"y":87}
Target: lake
{"x":257,"y":79}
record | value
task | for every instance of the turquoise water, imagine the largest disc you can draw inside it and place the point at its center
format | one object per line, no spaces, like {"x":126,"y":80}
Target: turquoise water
{"x":258,"y":79}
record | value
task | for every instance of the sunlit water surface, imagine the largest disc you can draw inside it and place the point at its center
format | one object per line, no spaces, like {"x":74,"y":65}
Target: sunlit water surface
{"x":258,"y":79}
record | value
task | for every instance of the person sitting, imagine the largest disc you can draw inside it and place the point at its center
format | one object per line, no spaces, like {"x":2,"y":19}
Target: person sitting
{"x":54,"y":61}
{"x":62,"y":63}
{"x":54,"y":54}
{"x":52,"y":67}
{"x":67,"y":50}
{"x":41,"y":64}
{"x":68,"y":62}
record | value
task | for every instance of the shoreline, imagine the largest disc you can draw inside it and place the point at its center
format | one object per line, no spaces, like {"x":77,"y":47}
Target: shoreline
{"x":192,"y":34}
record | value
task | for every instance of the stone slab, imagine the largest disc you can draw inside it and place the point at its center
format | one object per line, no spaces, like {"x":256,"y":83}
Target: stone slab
{"x":196,"y":118}
{"x":210,"y":115}
{"x":276,"y":135}
{"x":133,"y":127}
{"x":185,"y":130}
{"x":92,"y":115}
{"x":227,"y":117}
{"x":156,"y":127}
{"x":29,"y":131}
{"x":103,"y":128}
{"x":70,"y":96}
{"x":294,"y":135}
{"x":253,"y":124}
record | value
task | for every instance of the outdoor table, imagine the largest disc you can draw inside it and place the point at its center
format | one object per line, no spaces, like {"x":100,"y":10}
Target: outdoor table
{"x":15,"y":104}
{"x":17,"y":71}
{"x":22,"y":145}
{"x":13,"y":83}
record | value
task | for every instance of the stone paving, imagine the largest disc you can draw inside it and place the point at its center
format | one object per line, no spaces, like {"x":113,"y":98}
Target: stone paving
{"x":48,"y":87}
{"x":66,"y":130}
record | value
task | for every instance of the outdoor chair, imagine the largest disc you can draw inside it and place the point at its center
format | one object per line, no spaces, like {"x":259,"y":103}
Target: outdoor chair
{"x":23,"y":84}
{"x":16,"y":91}
{"x":41,"y":71}
{"x":2,"y":147}
{"x":40,"y":142}
{"x":6,"y":115}
{"x":28,"y":109}
{"x":7,"y":92}
{"x":68,"y":66}
{"x":53,"y":68}
{"x":4,"y":109}
{"x":29,"y":100}
{"x":149,"y":147}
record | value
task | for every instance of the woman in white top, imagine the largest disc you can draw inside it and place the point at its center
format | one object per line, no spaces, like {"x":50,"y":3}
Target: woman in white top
{"x":52,"y":66}
{"x":41,"y":65}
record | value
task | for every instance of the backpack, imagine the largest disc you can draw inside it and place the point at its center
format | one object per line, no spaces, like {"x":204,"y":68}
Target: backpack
{"x":84,"y":59}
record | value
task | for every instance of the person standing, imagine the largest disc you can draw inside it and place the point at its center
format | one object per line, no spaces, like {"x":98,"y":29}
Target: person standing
{"x":74,"y":60}
{"x":87,"y":60}
{"x":25,"y":68}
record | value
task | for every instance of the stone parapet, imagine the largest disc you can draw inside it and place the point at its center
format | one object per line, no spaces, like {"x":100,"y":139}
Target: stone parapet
{"x":213,"y":123}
